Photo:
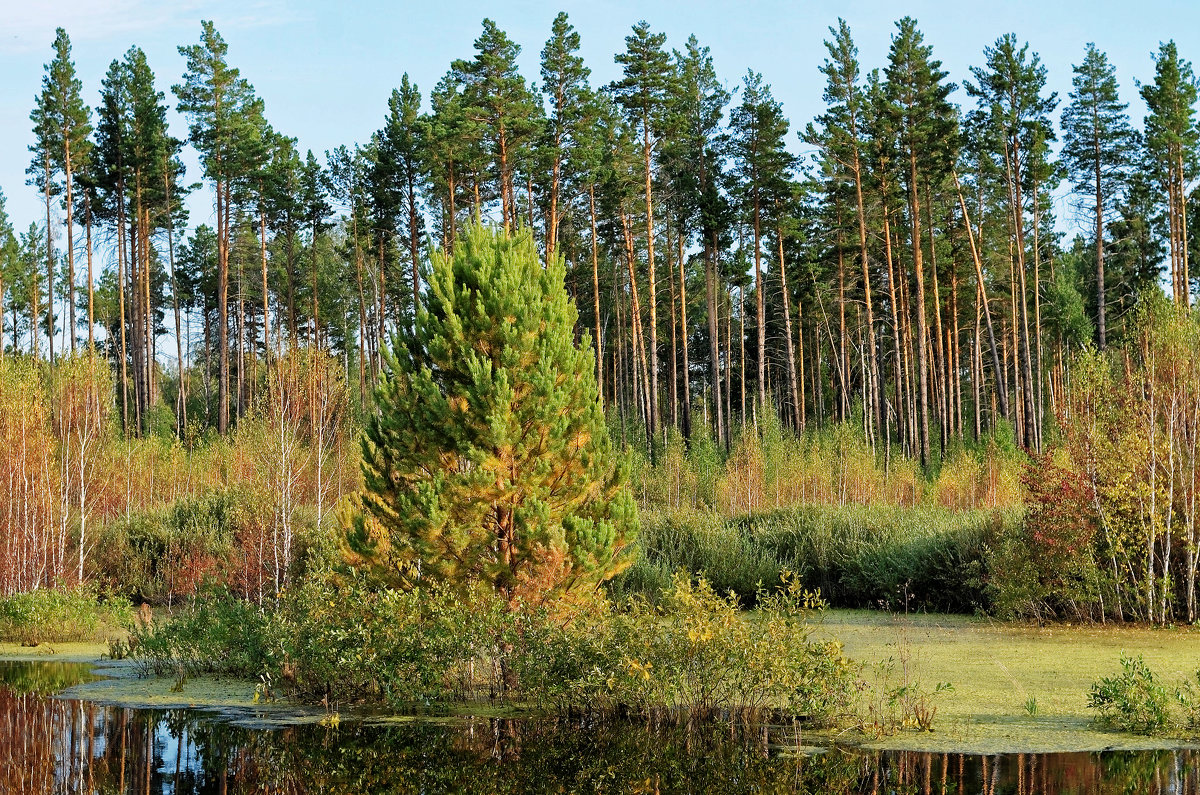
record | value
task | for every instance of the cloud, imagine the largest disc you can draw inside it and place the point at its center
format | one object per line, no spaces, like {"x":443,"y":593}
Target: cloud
{"x":31,"y":24}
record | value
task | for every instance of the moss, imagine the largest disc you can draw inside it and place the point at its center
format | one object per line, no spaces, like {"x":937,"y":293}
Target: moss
{"x":997,"y":668}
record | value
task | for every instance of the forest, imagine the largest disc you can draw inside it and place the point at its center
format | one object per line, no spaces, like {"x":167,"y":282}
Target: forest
{"x":880,"y":369}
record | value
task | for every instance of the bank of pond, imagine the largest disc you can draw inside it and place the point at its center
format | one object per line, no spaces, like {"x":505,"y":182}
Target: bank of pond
{"x":1015,"y":719}
{"x":66,"y":744}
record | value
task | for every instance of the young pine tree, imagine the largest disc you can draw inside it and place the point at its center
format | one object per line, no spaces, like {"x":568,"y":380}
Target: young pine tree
{"x":488,"y":461}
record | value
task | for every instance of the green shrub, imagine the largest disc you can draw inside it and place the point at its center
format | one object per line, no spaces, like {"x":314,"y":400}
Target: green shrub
{"x":161,"y":555}
{"x":1133,"y":701}
{"x":59,"y":615}
{"x":349,"y":642}
{"x":217,"y":633}
{"x":880,"y":557}
{"x":694,"y":655}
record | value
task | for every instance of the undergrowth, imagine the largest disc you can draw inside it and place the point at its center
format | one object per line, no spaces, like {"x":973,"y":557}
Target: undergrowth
{"x":61,"y":615}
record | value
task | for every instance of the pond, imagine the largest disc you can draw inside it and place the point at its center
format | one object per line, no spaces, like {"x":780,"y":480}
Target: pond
{"x":50,"y":744}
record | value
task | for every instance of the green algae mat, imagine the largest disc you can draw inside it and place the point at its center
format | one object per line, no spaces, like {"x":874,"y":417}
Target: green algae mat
{"x":1016,"y":688}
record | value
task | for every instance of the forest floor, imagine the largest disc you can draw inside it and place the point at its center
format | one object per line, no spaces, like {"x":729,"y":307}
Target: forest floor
{"x":999,"y":672}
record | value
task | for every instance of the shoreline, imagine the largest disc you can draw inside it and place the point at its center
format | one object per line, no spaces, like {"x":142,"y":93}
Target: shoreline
{"x":996,"y":669}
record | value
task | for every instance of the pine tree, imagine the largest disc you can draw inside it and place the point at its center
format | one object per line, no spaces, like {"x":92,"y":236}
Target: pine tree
{"x":215,"y":97}
{"x":1171,"y":139}
{"x":315,"y":210}
{"x":564,"y":83}
{"x":643,"y":92}
{"x":402,"y":144}
{"x":1098,"y":145}
{"x":70,"y":124}
{"x":284,"y":216}
{"x":454,"y":155}
{"x":693,"y":158}
{"x":1009,"y":89}
{"x":153,"y":173}
{"x":347,"y":177}
{"x":41,"y":176}
{"x":758,"y":131}
{"x":457,"y":488}
{"x":26,"y":290}
{"x":9,"y":253}
{"x":111,"y":178}
{"x":926,"y":125}
{"x":840,"y":135}
{"x":497,"y":97}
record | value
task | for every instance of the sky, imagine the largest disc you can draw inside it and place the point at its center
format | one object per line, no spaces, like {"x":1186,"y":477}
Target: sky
{"x":325,"y":69}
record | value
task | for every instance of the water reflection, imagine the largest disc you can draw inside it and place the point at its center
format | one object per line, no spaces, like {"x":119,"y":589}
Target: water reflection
{"x":60,"y":746}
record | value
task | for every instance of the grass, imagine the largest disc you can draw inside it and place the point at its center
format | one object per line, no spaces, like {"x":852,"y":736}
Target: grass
{"x":998,"y":669}
{"x":922,"y":558}
{"x":54,"y":615}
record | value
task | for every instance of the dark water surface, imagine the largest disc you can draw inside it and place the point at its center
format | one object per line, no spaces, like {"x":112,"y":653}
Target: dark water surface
{"x":51,"y":745}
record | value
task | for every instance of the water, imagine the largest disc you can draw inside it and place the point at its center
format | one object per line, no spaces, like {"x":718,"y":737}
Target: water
{"x":53,"y":745}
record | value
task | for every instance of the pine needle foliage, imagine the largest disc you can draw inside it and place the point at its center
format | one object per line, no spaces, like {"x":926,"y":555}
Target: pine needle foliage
{"x":488,"y":462}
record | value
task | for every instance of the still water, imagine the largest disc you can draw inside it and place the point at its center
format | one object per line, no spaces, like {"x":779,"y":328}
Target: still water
{"x":55,"y":745}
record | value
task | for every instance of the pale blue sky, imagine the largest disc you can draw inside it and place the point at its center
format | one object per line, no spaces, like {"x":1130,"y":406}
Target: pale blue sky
{"x":325,"y":70}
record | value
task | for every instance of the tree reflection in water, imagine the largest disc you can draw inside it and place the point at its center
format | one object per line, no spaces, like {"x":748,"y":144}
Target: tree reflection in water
{"x":52,"y":745}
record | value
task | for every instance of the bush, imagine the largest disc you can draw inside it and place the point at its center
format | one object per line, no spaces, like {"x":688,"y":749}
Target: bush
{"x":161,"y":555}
{"x":696,"y":655}
{"x":223,"y":538}
{"x":1133,"y":701}
{"x":421,"y":648}
{"x":53,"y":615}
{"x":895,"y":558}
{"x":217,"y":633}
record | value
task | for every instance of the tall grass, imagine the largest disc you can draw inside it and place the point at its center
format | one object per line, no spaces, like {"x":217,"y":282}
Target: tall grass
{"x":768,"y":468}
{"x":924,"y":558}
{"x":59,"y":615}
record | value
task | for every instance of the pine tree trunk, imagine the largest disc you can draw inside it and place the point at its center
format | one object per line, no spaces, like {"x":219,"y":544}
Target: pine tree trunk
{"x":674,"y":329}
{"x":639,"y":338}
{"x":1039,"y":395}
{"x":653,"y":298}
{"x":121,"y":307}
{"x":914,"y":208}
{"x":843,"y":354}
{"x":595,"y":290}
{"x":683,"y":332}
{"x":49,"y":269}
{"x":181,"y":400}
{"x":262,"y":248}
{"x":941,"y":366}
{"x":316,"y":304}
{"x":1101,"y":304}
{"x":70,"y":206}
{"x":760,"y":315}
{"x":87,"y":224}
{"x":1001,"y":389}
{"x":1029,"y":435}
{"x":414,"y":245}
{"x":223,"y":307}
{"x":875,"y":369}
{"x":787,"y":327}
